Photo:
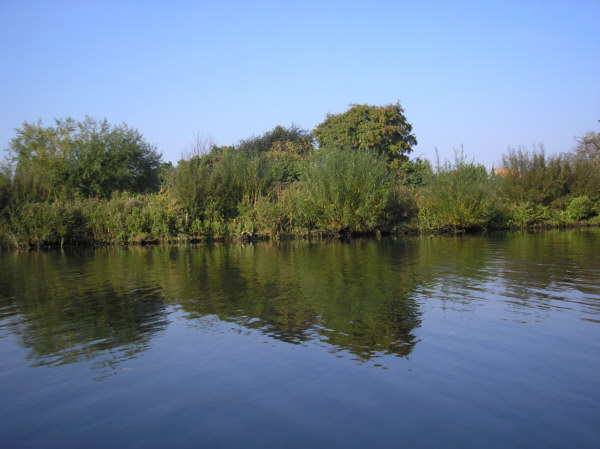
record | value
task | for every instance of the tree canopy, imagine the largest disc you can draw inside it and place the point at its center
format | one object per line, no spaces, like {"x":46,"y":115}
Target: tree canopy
{"x":89,"y":158}
{"x":588,"y":146}
{"x":293,"y":140}
{"x":380,"y":129}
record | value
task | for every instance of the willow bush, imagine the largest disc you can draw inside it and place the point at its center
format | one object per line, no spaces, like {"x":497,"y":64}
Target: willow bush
{"x":580,"y":208}
{"x":49,"y":223}
{"x":522,"y":215}
{"x":533,"y":177}
{"x":345,"y":191}
{"x":460,"y":196}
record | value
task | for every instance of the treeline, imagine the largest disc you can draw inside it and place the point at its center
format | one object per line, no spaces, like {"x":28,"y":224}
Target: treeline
{"x":91,"y":182}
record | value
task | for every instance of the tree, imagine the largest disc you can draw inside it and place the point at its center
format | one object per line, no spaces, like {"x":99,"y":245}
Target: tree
{"x":292,"y":140}
{"x":415,"y":173}
{"x":588,"y":146}
{"x":284,"y":149}
{"x":89,"y":158}
{"x":379,"y":129}
{"x":585,"y":166}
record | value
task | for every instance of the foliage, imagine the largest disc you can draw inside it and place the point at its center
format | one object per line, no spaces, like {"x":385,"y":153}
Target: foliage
{"x":526,"y":214}
{"x":585,"y":166}
{"x":135,"y":218}
{"x":286,"y":164}
{"x":213,"y":185}
{"x":403,"y":208}
{"x":90,"y":183}
{"x":580,"y":208}
{"x":346,"y":191}
{"x":460,"y":196}
{"x":588,"y":146}
{"x":125,"y":218}
{"x":414,"y":173}
{"x":534,"y":184}
{"x":533,"y":177}
{"x":216,"y":184}
{"x":291,"y":140}
{"x":88,"y":158}
{"x":264,"y":218}
{"x":48,"y":223}
{"x":190,"y":183}
{"x":382,"y":130}
{"x":6,"y":187}
{"x":584,"y":177}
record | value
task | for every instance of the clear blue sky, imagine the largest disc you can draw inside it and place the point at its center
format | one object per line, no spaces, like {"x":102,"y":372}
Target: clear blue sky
{"x":484,"y":75}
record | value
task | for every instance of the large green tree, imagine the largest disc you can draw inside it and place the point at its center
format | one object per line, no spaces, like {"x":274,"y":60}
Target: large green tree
{"x":379,"y":129}
{"x":90,"y":158}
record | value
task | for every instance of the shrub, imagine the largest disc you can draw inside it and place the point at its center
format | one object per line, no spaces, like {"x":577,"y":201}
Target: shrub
{"x":128,"y":218}
{"x":214,"y":184}
{"x":580,"y":208}
{"x":532,"y":177}
{"x":460,"y":196}
{"x":345,"y":191}
{"x":526,"y":214}
{"x":264,"y":218}
{"x":49,"y":223}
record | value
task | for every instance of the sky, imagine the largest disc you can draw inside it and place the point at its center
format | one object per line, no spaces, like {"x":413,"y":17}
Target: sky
{"x":476,"y":76}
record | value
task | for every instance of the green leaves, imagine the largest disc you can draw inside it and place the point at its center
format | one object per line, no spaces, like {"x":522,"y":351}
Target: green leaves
{"x":346,"y":192}
{"x":292,"y":140}
{"x":89,"y":158}
{"x":460,"y":196}
{"x":382,"y":130}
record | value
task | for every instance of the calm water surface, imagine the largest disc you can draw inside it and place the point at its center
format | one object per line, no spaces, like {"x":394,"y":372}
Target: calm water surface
{"x":489,"y":341}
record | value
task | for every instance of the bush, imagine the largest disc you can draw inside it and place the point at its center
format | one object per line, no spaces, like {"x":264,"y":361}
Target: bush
{"x":210,"y":187}
{"x":526,"y":214}
{"x":580,"y":208}
{"x":264,"y":218}
{"x":402,"y":209}
{"x":130,"y":218}
{"x":533,"y":177}
{"x":460,"y":196}
{"x":345,"y":191}
{"x":49,"y":223}
{"x":293,"y":140}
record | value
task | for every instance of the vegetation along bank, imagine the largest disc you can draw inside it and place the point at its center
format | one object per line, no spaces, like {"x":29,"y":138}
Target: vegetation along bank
{"x":90,"y":182}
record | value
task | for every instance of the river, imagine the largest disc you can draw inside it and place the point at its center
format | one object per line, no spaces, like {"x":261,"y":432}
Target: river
{"x":482,"y":341}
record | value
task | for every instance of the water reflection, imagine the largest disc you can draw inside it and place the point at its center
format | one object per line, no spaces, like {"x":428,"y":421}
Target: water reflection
{"x":350,"y":296}
{"x":108,"y":304}
{"x":69,"y":308}
{"x":363,"y":298}
{"x":523,"y":273}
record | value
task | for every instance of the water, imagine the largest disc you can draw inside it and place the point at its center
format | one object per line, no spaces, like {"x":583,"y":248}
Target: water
{"x":490,"y":341}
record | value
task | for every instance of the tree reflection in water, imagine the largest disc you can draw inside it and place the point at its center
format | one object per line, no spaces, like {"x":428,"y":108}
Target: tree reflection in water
{"x":76,"y":307}
{"x":354,"y":297}
{"x":104,"y":306}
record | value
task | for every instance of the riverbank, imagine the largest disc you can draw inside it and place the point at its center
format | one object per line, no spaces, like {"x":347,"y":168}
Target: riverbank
{"x":155,"y":219}
{"x":275,"y":186}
